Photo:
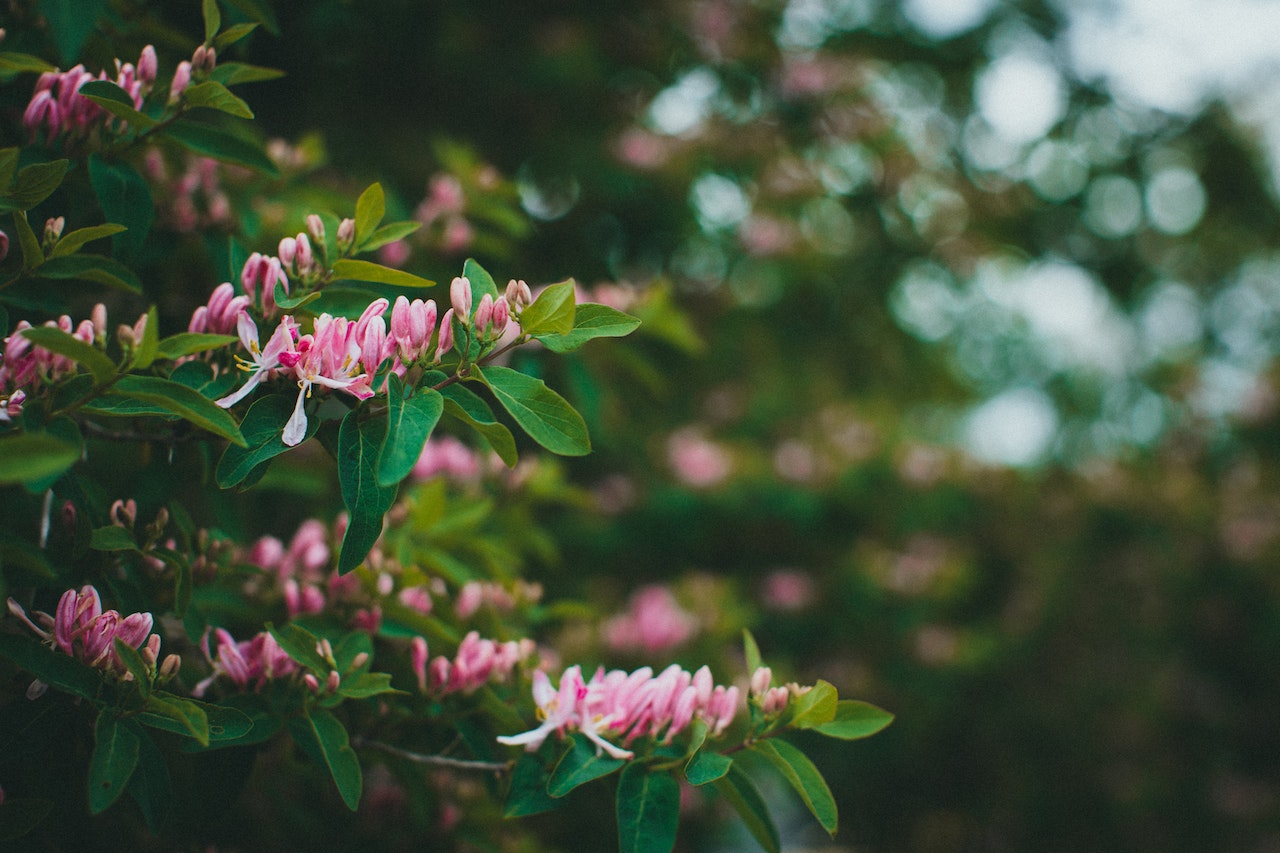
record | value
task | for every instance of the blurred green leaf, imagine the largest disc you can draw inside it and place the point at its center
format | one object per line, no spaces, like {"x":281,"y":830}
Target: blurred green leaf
{"x":69,"y":244}
{"x":389,"y":233}
{"x":32,"y":253}
{"x":463,"y":404}
{"x":212,"y":19}
{"x":33,"y":185}
{"x":111,"y":537}
{"x":706,"y":767}
{"x":12,"y":64}
{"x":800,"y":773}
{"x":648,"y":805}
{"x":144,"y":353}
{"x":371,"y":207}
{"x":150,"y":786}
{"x":481,"y":281}
{"x":86,"y":355}
{"x":542,"y":413}
{"x":527,"y":792}
{"x":581,"y":763}
{"x":29,"y":456}
{"x":116,"y":101}
{"x":301,"y":645}
{"x":20,"y":815}
{"x":212,"y":95}
{"x":54,"y":668}
{"x":854,"y":720}
{"x":323,"y":737}
{"x":224,"y":40}
{"x":95,"y":268}
{"x":219,"y":144}
{"x":124,"y":197}
{"x":259,"y":11}
{"x":115,"y":754}
{"x":409,"y":425}
{"x":751,"y":652}
{"x":741,"y":793}
{"x":367,"y":684}
{"x":366,"y":501}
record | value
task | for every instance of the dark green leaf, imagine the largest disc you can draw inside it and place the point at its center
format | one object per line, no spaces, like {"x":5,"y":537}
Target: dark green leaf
{"x":20,"y":815}
{"x":591,"y":321}
{"x":27,"y":457}
{"x":144,"y":353}
{"x":124,"y":197}
{"x":356,"y":270}
{"x":134,"y":664}
{"x":367,"y":684}
{"x":34,"y":184}
{"x":212,"y":19}
{"x":116,"y":101}
{"x":648,"y":810}
{"x":259,"y":11}
{"x":115,"y":754}
{"x":741,"y":793}
{"x":463,"y":404}
{"x":707,"y":767}
{"x":389,"y":233}
{"x":32,"y":253}
{"x":53,"y":668}
{"x":324,"y":738}
{"x":751,"y":651}
{"x":301,"y":645}
{"x":95,"y":268}
{"x":86,"y":355}
{"x":800,"y":773}
{"x":409,"y":425}
{"x":262,"y":427}
{"x":580,"y":764}
{"x":238,"y":73}
{"x":370,"y":208}
{"x":69,"y":244}
{"x":854,"y":720}
{"x":182,"y":401}
{"x":112,"y":538}
{"x":18,"y":63}
{"x":481,"y":281}
{"x":214,"y":96}
{"x":8,"y":165}
{"x":188,"y":343}
{"x":150,"y":787}
{"x":552,"y":313}
{"x":542,"y":413}
{"x":174,"y":714}
{"x":219,"y":144}
{"x":527,"y":794}
{"x":289,"y":303}
{"x":225,"y":39}
{"x":367,"y":502}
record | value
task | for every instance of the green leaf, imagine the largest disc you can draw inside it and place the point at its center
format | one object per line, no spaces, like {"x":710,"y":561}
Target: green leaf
{"x":389,"y":233}
{"x":32,"y":253}
{"x":301,"y":645}
{"x":225,"y":39}
{"x":178,"y":715}
{"x":238,"y":73}
{"x":751,"y":651}
{"x":648,"y":810}
{"x":814,"y":708}
{"x":591,"y":321}
{"x":367,"y":684}
{"x":289,"y":303}
{"x":579,"y":765}
{"x":183,"y":402}
{"x":463,"y":404}
{"x":115,"y":754}
{"x":357,"y":270}
{"x":214,"y":96}
{"x":86,"y":355}
{"x":259,"y":11}
{"x":552,"y":313}
{"x":69,"y":244}
{"x":134,"y":664}
{"x":527,"y":793}
{"x":150,"y":786}
{"x":145,"y":351}
{"x":370,"y":208}
{"x":59,"y":671}
{"x":741,"y":793}
{"x":366,"y":501}
{"x":116,"y":101}
{"x":20,"y":815}
{"x":12,"y":63}
{"x":409,"y":425}
{"x":706,"y":767}
{"x":323,"y":737}
{"x":262,"y":427}
{"x":109,"y":537}
{"x":219,"y":144}
{"x":95,"y":268}
{"x":124,"y":197}
{"x":854,"y":720}
{"x":8,"y":163}
{"x":481,"y":281}
{"x":800,"y":773}
{"x":212,"y":19}
{"x":30,"y":456}
{"x":188,"y":343}
{"x":542,"y":413}
{"x":34,"y":184}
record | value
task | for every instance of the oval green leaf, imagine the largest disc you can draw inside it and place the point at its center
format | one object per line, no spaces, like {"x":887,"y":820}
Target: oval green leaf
{"x":648,"y":805}
{"x":542,"y":413}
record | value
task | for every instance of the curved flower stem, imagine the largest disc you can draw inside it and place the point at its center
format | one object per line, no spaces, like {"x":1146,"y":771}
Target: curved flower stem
{"x":433,"y":760}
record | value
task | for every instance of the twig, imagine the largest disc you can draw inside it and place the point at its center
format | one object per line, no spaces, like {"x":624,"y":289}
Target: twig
{"x":433,"y":760}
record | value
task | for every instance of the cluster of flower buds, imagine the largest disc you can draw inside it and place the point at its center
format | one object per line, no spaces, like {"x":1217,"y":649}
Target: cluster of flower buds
{"x":296,"y":256}
{"x":632,"y":705}
{"x":86,"y":632}
{"x":477,"y":662}
{"x":774,"y":700}
{"x":654,"y":622}
{"x":303,"y":570}
{"x":58,"y":108}
{"x":258,"y":278}
{"x":26,"y":364}
{"x":251,"y":663}
{"x":222,"y":313}
{"x":201,"y":65}
{"x":192,"y":201}
{"x":477,"y":594}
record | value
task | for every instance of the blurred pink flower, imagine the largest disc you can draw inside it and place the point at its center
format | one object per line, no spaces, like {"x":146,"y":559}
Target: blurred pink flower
{"x":786,"y":589}
{"x":654,"y":623}
{"x":696,"y":460}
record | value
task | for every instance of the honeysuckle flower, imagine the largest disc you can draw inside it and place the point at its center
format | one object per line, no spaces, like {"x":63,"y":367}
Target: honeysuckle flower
{"x":253,"y":662}
{"x":82,"y":629}
{"x":181,"y":79}
{"x":262,"y":361}
{"x":557,"y":709}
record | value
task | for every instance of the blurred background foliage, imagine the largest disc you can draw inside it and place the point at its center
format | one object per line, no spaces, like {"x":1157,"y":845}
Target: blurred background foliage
{"x":969,"y":403}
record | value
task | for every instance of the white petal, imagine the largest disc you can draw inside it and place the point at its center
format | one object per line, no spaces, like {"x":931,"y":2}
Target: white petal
{"x":296,"y":429}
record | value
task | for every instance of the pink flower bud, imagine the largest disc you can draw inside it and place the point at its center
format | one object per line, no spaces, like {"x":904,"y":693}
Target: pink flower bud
{"x":53,"y":228}
{"x":418,"y":660}
{"x":359,"y":660}
{"x":501,"y":315}
{"x":99,"y":317}
{"x":181,"y":78}
{"x":469,"y":599}
{"x":315,"y":227}
{"x":305,"y":259}
{"x":460,"y":298}
{"x":346,"y":234}
{"x":168,"y":669}
{"x":287,"y":250}
{"x":204,"y":59}
{"x":446,"y":335}
{"x":4,"y":245}
{"x":313,"y":684}
{"x":147,"y":66}
{"x":333,"y":682}
{"x":484,"y":313}
{"x":760,"y":680}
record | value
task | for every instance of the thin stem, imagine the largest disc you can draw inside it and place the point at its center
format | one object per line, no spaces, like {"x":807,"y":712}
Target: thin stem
{"x":434,"y":760}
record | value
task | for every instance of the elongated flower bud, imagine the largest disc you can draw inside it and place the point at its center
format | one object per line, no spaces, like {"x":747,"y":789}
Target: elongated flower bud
{"x":484,"y":313}
{"x":446,"y":335}
{"x":315,"y":227}
{"x":287,"y":251}
{"x":346,"y":234}
{"x":181,"y":79}
{"x":460,"y":298}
